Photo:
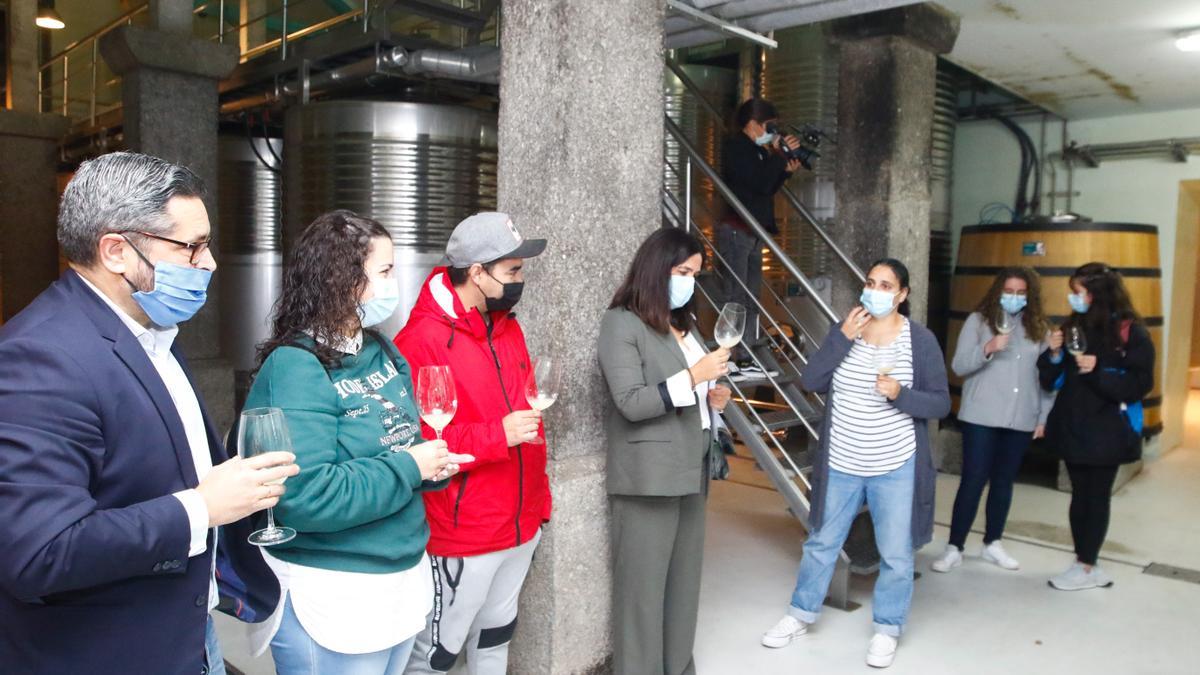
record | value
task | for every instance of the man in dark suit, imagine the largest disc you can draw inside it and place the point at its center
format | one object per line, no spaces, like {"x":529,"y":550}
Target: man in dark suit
{"x":112,"y":476}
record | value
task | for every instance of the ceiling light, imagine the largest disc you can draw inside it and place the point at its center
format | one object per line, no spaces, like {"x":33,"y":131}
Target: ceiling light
{"x":1188,"y":41}
{"x":48,"y":18}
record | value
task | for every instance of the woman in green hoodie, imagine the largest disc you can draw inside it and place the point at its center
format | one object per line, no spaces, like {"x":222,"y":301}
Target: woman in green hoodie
{"x":356,"y":583}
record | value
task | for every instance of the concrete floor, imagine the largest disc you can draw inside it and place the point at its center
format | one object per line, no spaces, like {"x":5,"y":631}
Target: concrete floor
{"x":978,"y":619}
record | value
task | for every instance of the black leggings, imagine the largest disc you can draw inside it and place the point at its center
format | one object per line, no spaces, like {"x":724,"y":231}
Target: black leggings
{"x":1091,"y":495}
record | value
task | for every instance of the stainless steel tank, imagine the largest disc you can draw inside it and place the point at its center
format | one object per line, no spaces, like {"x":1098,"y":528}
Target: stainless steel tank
{"x":417,"y":168}
{"x":250,"y":249}
{"x":718,"y":86}
{"x":801,"y":79}
{"x":941,"y":149}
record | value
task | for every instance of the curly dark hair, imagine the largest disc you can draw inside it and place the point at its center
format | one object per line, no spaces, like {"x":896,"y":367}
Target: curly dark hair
{"x":322,"y":281}
{"x":1033,"y":317}
{"x":1110,"y":308}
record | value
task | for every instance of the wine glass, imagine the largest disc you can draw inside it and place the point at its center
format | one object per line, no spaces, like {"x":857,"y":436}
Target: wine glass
{"x":263,"y":430}
{"x":1076,"y":343}
{"x":885,"y":359}
{"x":542,"y":386}
{"x":731,"y":324}
{"x":1005,"y":323}
{"x":436,"y":397}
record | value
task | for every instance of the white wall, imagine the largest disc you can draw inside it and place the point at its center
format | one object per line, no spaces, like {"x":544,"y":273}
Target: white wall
{"x":987,"y":159}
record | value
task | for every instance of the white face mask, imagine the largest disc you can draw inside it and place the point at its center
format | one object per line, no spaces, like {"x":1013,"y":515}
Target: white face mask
{"x":381,"y":307}
{"x":878,"y":303}
{"x":681,"y":289}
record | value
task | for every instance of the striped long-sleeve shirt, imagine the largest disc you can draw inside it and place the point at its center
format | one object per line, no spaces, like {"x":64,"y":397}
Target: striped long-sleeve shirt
{"x":868,"y":435}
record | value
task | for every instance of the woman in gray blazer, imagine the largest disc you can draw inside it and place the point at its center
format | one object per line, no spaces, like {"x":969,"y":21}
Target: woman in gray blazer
{"x":665,"y":403}
{"x":886,"y":380}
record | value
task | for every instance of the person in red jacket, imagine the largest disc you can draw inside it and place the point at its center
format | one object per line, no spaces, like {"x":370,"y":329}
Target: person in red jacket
{"x":485,"y":526}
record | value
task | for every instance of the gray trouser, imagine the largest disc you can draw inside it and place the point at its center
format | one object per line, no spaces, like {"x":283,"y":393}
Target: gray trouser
{"x":474,"y":606}
{"x":742,"y":250}
{"x":657,"y":543}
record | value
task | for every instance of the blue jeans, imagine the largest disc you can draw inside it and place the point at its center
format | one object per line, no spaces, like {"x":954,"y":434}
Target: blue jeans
{"x":991,"y":455}
{"x":212,"y":650}
{"x":889,"y":498}
{"x":295,"y":653}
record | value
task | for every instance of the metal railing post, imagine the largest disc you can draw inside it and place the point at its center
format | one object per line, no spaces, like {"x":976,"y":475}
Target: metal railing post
{"x":687,"y":194}
{"x":66,"y":84}
{"x":283,"y":39}
{"x":221,"y":22}
{"x":92,"y":100}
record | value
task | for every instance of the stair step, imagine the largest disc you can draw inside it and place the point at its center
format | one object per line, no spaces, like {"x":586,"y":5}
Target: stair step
{"x":785,"y":419}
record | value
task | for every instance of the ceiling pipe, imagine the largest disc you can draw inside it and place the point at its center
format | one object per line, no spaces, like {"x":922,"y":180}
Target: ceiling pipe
{"x":472,"y":65}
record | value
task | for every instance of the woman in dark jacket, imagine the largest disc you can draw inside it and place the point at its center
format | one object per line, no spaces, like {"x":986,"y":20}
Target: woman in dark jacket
{"x":1090,"y":425}
{"x":886,"y":379}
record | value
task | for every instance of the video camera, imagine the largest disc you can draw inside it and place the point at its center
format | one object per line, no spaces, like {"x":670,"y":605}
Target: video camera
{"x":810,"y":139}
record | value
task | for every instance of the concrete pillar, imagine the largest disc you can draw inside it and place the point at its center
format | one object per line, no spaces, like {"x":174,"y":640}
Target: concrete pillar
{"x":169,"y":93}
{"x":886,"y":85}
{"x":171,"y":16}
{"x":581,"y":138}
{"x":28,"y":189}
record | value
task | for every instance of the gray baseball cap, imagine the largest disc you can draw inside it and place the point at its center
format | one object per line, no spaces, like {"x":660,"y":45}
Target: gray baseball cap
{"x":486,"y":237}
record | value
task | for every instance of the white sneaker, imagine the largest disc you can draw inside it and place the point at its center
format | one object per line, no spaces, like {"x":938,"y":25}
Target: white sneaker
{"x":782,"y":633}
{"x":882,"y":651}
{"x":950,"y":559}
{"x":995,"y":554}
{"x":1076,"y":578}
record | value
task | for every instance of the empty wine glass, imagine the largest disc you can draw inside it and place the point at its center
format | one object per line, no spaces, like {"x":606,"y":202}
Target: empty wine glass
{"x":436,"y":397}
{"x":1005,"y":323}
{"x":731,"y":324}
{"x":542,"y":386}
{"x":1076,"y":343}
{"x":263,"y":430}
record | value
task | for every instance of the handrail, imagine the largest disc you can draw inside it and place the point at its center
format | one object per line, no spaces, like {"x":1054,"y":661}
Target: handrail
{"x":792,"y":200}
{"x":115,"y":23}
{"x":780,"y":255}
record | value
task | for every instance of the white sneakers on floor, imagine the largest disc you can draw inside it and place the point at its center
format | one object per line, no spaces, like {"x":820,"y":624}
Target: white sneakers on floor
{"x":882,"y":651}
{"x":784,"y":631}
{"x":950,"y":559}
{"x":993,"y":553}
{"x":1079,"y":578}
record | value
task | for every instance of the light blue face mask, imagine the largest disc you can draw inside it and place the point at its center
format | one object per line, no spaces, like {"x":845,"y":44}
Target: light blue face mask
{"x":179,"y":292}
{"x":1013,"y":303}
{"x":1079,"y":304}
{"x":681,"y":290}
{"x":878,"y":303}
{"x":381,"y":307}
{"x":764,"y":138}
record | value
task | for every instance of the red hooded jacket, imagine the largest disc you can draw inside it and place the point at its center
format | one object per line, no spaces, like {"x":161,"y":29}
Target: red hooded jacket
{"x":501,"y":499}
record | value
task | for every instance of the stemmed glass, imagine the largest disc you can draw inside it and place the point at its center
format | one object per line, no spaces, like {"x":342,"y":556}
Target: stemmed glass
{"x":1005,"y":323}
{"x":542,"y":386}
{"x":263,"y":430}
{"x":885,"y":359}
{"x":1076,"y":342}
{"x":731,"y":324}
{"x":436,"y":397}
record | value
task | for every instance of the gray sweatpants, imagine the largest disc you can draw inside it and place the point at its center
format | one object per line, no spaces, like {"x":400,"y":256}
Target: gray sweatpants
{"x":474,"y":605}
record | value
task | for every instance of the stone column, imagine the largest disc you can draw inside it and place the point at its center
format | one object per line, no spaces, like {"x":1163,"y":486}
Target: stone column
{"x":169,"y":96}
{"x":886,"y":85}
{"x":581,"y":136}
{"x":28,"y":185}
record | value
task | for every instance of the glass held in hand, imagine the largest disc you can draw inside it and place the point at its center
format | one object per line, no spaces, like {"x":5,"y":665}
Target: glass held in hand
{"x":542,"y":386}
{"x":1075,"y":342}
{"x":1005,"y":323}
{"x":884,"y":360}
{"x":436,"y":397}
{"x":731,"y":325}
{"x":263,"y":430}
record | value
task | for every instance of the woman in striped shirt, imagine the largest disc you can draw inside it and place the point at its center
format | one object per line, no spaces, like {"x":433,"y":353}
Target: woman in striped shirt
{"x":886,"y":379}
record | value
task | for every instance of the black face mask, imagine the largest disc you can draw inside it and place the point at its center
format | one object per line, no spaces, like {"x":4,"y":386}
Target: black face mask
{"x":510,"y":298}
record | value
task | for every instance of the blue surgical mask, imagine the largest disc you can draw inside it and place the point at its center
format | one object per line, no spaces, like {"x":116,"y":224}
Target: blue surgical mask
{"x":1012,"y":302}
{"x":681,"y":290}
{"x":179,"y":292}
{"x":878,"y":303}
{"x":1079,"y":303}
{"x":764,"y":138}
{"x":381,"y":307}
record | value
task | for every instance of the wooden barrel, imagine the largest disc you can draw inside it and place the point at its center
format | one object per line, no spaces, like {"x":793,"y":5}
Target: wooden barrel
{"x":1055,"y":250}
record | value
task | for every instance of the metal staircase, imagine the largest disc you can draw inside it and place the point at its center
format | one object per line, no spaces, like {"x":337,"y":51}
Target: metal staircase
{"x":771,"y":413}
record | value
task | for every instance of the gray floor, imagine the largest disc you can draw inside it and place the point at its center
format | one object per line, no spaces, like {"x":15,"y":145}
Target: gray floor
{"x":978,"y":619}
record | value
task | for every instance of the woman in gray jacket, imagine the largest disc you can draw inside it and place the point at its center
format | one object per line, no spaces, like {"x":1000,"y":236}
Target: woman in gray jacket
{"x":661,"y":382}
{"x":1002,"y":408}
{"x":886,"y":381}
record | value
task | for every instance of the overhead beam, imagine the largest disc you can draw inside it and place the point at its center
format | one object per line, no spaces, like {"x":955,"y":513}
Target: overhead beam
{"x":722,"y":25}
